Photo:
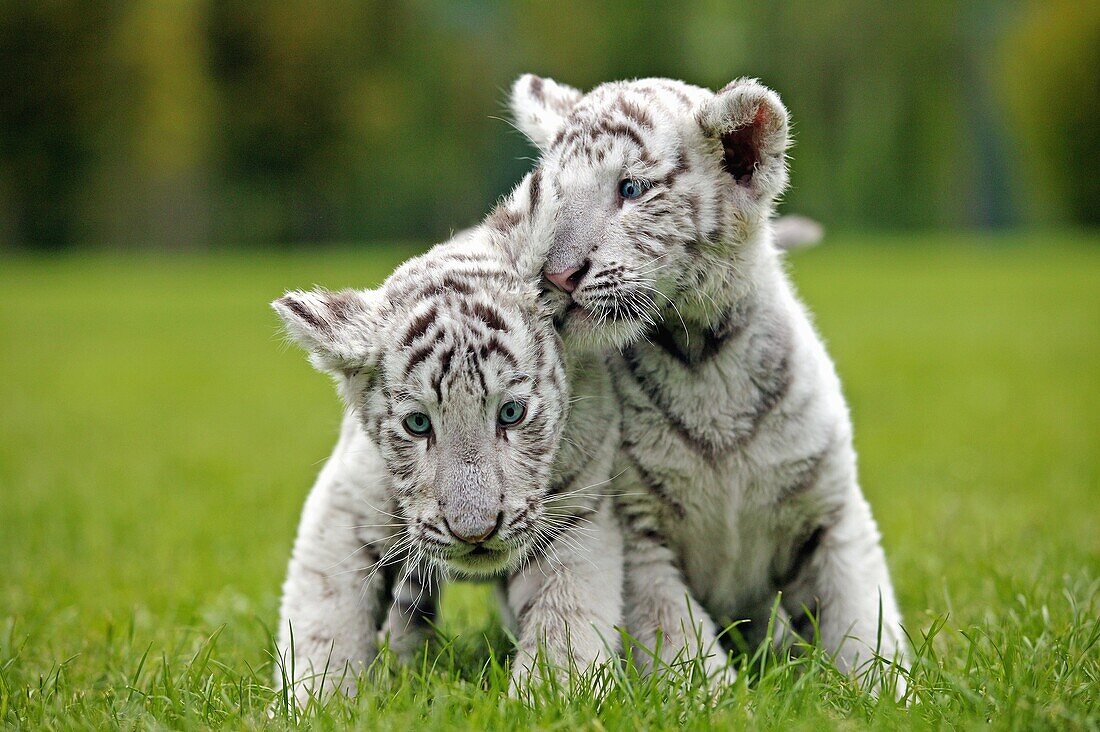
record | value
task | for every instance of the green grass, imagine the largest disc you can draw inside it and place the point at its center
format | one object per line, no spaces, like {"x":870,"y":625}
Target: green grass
{"x":157,"y":440}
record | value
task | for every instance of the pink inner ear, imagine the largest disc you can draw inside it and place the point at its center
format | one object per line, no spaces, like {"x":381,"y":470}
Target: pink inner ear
{"x":741,"y":148}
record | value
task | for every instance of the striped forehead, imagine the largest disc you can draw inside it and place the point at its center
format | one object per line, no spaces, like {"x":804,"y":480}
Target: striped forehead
{"x":449,"y":340}
{"x":637,"y":117}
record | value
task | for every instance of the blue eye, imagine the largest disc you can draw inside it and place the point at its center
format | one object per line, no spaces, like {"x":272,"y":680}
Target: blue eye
{"x":418,"y":424}
{"x":511,"y":413}
{"x":632,"y":187}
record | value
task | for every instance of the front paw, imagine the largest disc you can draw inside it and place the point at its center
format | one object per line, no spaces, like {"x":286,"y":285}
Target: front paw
{"x":720,"y":672}
{"x":521,"y":680}
{"x":311,"y":690}
{"x":533,"y":674}
{"x":683,"y":660}
{"x":406,"y":644}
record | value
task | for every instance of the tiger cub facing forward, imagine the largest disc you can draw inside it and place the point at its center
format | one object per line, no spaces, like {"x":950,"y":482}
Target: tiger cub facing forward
{"x":462,"y":453}
{"x":738,"y":471}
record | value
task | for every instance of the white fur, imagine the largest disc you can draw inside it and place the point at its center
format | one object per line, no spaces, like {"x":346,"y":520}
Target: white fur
{"x":378,"y":526}
{"x":739,"y":476}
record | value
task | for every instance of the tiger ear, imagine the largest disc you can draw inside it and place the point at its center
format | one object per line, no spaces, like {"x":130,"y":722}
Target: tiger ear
{"x":339,"y":330}
{"x":521,"y":230}
{"x":751,"y":122}
{"x":540,"y":106}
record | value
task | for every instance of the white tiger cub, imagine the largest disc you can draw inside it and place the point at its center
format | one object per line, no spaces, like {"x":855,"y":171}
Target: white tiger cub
{"x":461,"y":452}
{"x":739,"y":476}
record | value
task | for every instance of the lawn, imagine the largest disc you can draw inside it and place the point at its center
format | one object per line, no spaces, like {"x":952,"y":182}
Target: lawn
{"x":157,"y":439}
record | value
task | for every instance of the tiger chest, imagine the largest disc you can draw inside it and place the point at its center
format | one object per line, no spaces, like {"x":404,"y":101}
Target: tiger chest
{"x":716,"y":504}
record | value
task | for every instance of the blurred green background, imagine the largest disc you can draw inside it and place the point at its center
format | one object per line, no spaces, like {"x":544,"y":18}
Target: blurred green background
{"x":218,"y":123}
{"x":157,"y":439}
{"x":156,"y":442}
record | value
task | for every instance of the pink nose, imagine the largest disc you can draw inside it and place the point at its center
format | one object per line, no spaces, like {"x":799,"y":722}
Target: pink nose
{"x":566,"y":279}
{"x":476,"y":531}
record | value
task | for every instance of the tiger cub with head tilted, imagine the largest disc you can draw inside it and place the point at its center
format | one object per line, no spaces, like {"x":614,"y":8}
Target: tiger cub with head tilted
{"x":738,"y":472}
{"x":472,"y":446}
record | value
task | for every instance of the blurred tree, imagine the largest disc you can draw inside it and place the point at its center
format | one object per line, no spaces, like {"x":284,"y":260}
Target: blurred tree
{"x":1050,"y":83}
{"x":193,"y":122}
{"x":151,"y":184}
{"x":51,"y":81}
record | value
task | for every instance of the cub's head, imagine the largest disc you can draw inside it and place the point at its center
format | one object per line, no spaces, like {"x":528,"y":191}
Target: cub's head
{"x":657,"y":190}
{"x":455,"y":372}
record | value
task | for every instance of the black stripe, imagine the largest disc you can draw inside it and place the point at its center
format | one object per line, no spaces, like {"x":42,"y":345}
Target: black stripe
{"x":465,"y":257}
{"x":444,"y":368}
{"x":635,"y":113}
{"x":664,"y":339}
{"x":503,"y":219}
{"x":657,"y":398}
{"x":769,"y":369}
{"x":652,"y":483}
{"x":344,"y":304}
{"x":805,"y":472}
{"x":802,"y":556}
{"x":303,"y":313}
{"x":683,"y":98}
{"x":534,"y":188}
{"x":771,"y":375}
{"x":536,"y":88}
{"x":456,"y":283}
{"x":519,"y":518}
{"x":618,"y":129}
{"x":639,"y":523}
{"x":558,"y":138}
{"x":526,"y":608}
{"x":652,"y":535}
{"x":415,"y":289}
{"x":419,"y":355}
{"x":694,"y":208}
{"x":488,"y":315}
{"x":419,"y":326}
{"x":494,"y":345}
{"x":476,"y":367}
{"x":728,"y":329}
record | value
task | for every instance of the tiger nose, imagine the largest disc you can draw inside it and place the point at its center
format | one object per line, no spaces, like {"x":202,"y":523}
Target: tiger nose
{"x":474,"y":532}
{"x":568,"y":279}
